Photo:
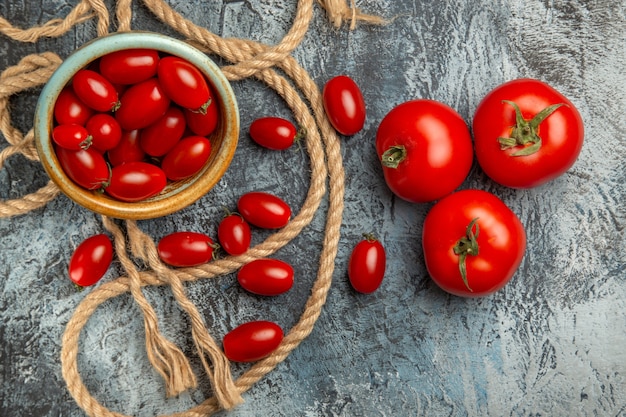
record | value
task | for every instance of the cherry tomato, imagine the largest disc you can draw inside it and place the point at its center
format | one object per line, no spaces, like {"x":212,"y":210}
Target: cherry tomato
{"x":203,"y":124}
{"x":266,"y":276}
{"x":141,"y":105}
{"x":127,"y":150}
{"x":183,"y":83}
{"x":129,"y":66}
{"x":234,"y":234}
{"x":425,"y":150}
{"x":252,"y":341}
{"x":526,"y":133}
{"x":186,"y":158}
{"x":90,"y":260}
{"x":264,"y":210}
{"x":69,"y":109}
{"x":105,"y":131}
{"x":135,"y":181}
{"x":184,"y":249}
{"x":72,"y":137}
{"x":366,"y":267}
{"x":274,"y":133}
{"x":95,"y":91}
{"x":86,"y":167}
{"x":161,"y":136}
{"x":344,"y":105}
{"x":473,"y":243}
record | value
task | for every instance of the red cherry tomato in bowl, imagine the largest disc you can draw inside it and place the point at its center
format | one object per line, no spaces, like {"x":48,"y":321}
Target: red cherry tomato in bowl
{"x":274,"y":133}
{"x":69,"y":109}
{"x":184,"y":249}
{"x":526,"y":133}
{"x":266,"y":276}
{"x":425,"y":150}
{"x":142,"y":104}
{"x":344,"y":105}
{"x":72,"y":137}
{"x":90,"y":260}
{"x":252,"y":341}
{"x":473,"y":243}
{"x":264,"y":210}
{"x":95,"y":91}
{"x":105,"y":131}
{"x":136,"y":181}
{"x":86,"y":167}
{"x":129,"y":66}
{"x":366,"y":266}
{"x":234,"y":234}
{"x":184,"y":83}
{"x":161,"y":136}
{"x":128,"y":149}
{"x":186,"y":158}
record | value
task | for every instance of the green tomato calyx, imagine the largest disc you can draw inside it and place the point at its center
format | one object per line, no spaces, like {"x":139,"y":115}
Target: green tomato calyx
{"x":392,"y":157}
{"x":525,"y":132}
{"x":467,"y":245}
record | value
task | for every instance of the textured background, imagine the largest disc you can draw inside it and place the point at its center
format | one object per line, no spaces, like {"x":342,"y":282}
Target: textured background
{"x":552,"y":343}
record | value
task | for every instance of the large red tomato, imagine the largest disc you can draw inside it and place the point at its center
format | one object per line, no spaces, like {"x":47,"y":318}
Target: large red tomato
{"x":425,"y":149}
{"x":526,"y":133}
{"x":473,"y":243}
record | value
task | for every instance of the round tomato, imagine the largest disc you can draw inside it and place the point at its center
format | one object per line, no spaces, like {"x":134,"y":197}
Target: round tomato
{"x":184,"y":249}
{"x":266,"y":276}
{"x":473,"y":243}
{"x":135,"y":181}
{"x":95,"y":91}
{"x":344,"y":105}
{"x":526,"y":133}
{"x":203,"y":124}
{"x":366,"y":267}
{"x":86,"y":167}
{"x":141,"y":105}
{"x":264,"y":210}
{"x":129,"y":66}
{"x":274,"y":133}
{"x":252,"y":341}
{"x":186,"y":158}
{"x":105,"y":131}
{"x":90,"y":260}
{"x":73,"y":137}
{"x":234,"y":234}
{"x":69,"y":109}
{"x":161,"y":136}
{"x":425,"y":149}
{"x":127,"y":150}
{"x":183,"y":83}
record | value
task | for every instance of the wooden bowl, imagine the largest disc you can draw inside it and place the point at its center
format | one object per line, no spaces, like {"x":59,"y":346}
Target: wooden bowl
{"x":177,"y":194}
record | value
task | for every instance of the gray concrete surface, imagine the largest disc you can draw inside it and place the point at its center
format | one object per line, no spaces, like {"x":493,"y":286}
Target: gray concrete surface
{"x":552,"y":343}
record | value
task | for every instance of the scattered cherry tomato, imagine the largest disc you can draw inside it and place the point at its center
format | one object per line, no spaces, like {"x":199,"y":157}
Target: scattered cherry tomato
{"x":266,"y":276}
{"x":186,"y":158}
{"x":129,"y":66}
{"x":161,"y":136}
{"x":141,"y":105}
{"x":127,"y":150}
{"x":73,"y":137}
{"x":90,"y":260}
{"x":425,"y":150}
{"x":344,"y":105}
{"x":473,"y":243}
{"x":264,"y":210}
{"x":104,"y":130}
{"x":234,"y":234}
{"x":86,"y":167}
{"x":95,"y":91}
{"x":203,"y":124}
{"x":135,"y":181}
{"x":526,"y":133}
{"x":184,"y":249}
{"x":69,"y":109}
{"x":274,"y":133}
{"x":252,"y":341}
{"x":366,"y":267}
{"x":184,"y":83}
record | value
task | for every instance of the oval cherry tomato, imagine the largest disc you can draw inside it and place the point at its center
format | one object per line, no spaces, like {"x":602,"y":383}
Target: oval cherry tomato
{"x":344,"y":105}
{"x":366,"y":267}
{"x":161,"y":136}
{"x":90,"y":260}
{"x":129,"y":66}
{"x":266,"y":276}
{"x":183,"y":83}
{"x":473,"y":243}
{"x":105,"y":131}
{"x":203,"y":124}
{"x":526,"y":133}
{"x":141,"y":105}
{"x":264,"y":210}
{"x":425,"y":149}
{"x":86,"y":167}
{"x":95,"y":91}
{"x":252,"y":341}
{"x":186,"y":158}
{"x":274,"y":133}
{"x":69,"y":109}
{"x":72,"y":137}
{"x":127,"y":150}
{"x":234,"y":234}
{"x":184,"y":249}
{"x":135,"y":181}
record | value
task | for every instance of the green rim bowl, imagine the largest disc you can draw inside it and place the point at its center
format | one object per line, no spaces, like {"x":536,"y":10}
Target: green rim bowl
{"x":176,"y":195}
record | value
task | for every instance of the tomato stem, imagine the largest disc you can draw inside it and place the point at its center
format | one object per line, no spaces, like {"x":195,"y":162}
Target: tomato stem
{"x":526,"y":132}
{"x":202,"y":110}
{"x":86,"y":143}
{"x":370,"y":237}
{"x":392,"y":157}
{"x":467,"y":245}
